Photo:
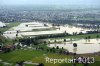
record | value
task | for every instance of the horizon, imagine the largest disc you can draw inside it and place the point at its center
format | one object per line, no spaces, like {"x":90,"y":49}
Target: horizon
{"x":89,"y":3}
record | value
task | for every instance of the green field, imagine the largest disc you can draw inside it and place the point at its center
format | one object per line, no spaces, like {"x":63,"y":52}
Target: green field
{"x":29,"y":55}
{"x":92,"y":36}
{"x":37,"y":57}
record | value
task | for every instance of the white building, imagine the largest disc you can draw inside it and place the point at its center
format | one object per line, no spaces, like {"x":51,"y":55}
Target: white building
{"x":2,"y":24}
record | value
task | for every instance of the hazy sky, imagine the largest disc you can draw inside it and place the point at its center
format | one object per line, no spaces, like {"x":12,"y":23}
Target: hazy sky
{"x":49,"y":2}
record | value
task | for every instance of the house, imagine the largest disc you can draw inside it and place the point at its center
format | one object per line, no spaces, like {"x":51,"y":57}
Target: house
{"x":2,"y":24}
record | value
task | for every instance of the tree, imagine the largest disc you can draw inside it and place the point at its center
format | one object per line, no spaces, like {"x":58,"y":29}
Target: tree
{"x":40,"y":64}
{"x":18,"y":46}
{"x":62,"y":48}
{"x":97,"y":36}
{"x":53,"y":49}
{"x":48,"y":42}
{"x":71,"y":40}
{"x":44,"y":42}
{"x":74,"y":44}
{"x":57,"y":47}
{"x":86,"y":38}
{"x":17,"y":35}
{"x":89,"y":37}
{"x":0,"y":33}
{"x":21,"y":63}
{"x":60,"y":52}
{"x":74,"y":48}
{"x":64,"y":40}
{"x":17,"y":31}
{"x":26,"y":25}
{"x":55,"y":41}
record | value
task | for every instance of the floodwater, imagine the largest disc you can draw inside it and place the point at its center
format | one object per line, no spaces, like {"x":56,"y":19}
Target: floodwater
{"x":83,"y":46}
{"x":28,"y":30}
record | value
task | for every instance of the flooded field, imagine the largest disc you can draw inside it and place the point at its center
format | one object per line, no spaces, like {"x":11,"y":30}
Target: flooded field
{"x":37,"y":28}
{"x":83,"y":46}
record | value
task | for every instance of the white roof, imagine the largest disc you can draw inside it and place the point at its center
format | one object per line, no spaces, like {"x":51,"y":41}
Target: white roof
{"x":2,"y":24}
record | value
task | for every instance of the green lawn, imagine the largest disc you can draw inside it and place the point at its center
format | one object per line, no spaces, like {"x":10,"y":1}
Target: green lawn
{"x":36,"y":57}
{"x":29,"y":55}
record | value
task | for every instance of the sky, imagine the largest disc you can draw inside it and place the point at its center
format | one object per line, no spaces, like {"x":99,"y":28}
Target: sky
{"x":50,"y":2}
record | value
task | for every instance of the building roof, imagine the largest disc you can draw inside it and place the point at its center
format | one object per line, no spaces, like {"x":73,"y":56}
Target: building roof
{"x":2,"y":24}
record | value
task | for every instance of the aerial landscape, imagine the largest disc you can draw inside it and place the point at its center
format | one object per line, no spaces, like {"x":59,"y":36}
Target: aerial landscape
{"x":49,"y":33}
